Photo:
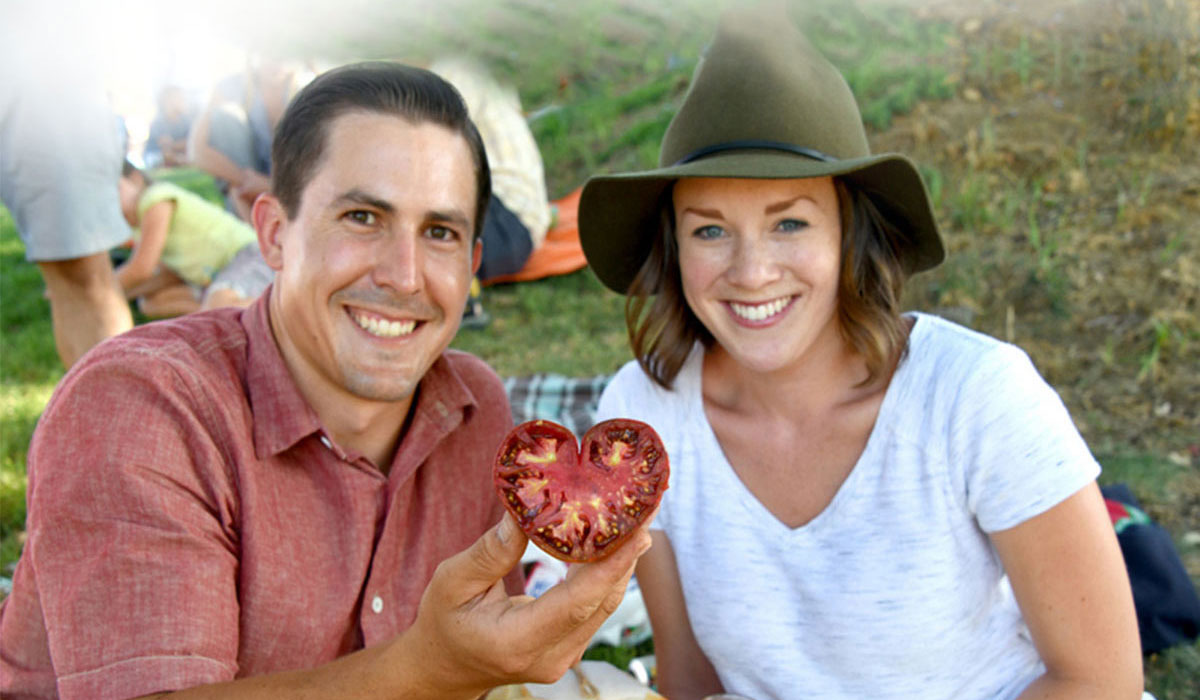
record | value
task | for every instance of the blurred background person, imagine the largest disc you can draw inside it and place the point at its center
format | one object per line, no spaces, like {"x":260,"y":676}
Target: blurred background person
{"x":60,"y":157}
{"x":230,"y":138}
{"x":189,"y":253}
{"x":167,"y":142}
{"x":518,"y":214}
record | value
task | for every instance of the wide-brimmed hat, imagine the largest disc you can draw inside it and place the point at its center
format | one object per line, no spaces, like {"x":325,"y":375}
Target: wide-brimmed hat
{"x":763,"y":103}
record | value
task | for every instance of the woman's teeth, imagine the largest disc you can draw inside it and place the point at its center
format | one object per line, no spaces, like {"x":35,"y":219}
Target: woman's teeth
{"x":383,"y":327}
{"x":759,"y":312}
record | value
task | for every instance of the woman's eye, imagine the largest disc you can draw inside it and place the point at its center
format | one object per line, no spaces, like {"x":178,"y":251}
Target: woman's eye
{"x":792,"y":225}
{"x":362,"y":217}
{"x":708,"y":233}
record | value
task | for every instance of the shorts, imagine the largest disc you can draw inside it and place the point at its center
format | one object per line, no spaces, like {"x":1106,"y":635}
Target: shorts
{"x":60,"y":159}
{"x":247,"y":274}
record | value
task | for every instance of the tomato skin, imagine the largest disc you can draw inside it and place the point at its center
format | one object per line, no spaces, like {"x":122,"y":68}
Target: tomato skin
{"x":581,"y":502}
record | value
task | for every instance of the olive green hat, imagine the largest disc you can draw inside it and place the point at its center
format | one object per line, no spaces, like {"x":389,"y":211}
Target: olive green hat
{"x":763,"y":103}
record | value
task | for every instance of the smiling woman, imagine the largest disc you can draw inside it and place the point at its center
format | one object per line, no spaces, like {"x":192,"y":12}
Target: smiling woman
{"x":876,"y":471}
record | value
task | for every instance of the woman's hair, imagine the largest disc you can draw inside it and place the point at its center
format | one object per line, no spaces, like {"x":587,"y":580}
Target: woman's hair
{"x":663,"y":329}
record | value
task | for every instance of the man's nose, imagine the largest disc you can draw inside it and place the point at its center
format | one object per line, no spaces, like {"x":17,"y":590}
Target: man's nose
{"x":399,"y":262}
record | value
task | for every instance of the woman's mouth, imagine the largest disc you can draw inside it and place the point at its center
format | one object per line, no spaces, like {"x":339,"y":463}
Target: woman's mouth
{"x":760,"y":312}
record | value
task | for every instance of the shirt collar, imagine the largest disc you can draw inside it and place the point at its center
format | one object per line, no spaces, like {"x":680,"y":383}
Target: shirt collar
{"x":282,"y":417}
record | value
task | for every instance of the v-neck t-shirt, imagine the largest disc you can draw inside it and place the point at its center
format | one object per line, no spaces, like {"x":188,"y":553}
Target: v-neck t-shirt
{"x":894,"y":590}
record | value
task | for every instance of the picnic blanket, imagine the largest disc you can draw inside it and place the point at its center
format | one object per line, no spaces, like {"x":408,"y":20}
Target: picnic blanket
{"x":568,"y":401}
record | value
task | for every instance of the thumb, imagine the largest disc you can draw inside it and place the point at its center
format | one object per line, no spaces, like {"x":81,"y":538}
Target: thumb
{"x":494,"y":554}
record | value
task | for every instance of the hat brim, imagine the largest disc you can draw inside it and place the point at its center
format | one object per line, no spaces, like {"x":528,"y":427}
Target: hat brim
{"x":619,"y":217}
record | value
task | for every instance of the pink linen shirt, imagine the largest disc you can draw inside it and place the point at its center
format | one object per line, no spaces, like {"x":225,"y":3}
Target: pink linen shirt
{"x":190,"y":521}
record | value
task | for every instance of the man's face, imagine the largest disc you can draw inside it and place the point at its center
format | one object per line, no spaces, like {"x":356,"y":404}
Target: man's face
{"x":373,"y":272}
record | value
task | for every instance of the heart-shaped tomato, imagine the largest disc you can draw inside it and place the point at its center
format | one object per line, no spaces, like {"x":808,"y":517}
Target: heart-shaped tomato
{"x":581,"y":504}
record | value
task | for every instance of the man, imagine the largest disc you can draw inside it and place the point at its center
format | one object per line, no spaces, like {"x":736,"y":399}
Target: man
{"x":60,"y":157}
{"x":265,"y":495}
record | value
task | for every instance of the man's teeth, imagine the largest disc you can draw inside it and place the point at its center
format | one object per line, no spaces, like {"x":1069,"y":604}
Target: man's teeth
{"x":758,"y":312}
{"x":383,"y":327}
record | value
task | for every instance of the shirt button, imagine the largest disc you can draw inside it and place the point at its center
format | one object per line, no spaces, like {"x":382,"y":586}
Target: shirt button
{"x":377,"y":605}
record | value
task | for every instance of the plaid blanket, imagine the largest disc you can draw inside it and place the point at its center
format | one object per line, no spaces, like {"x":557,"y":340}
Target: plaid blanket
{"x":569,"y":401}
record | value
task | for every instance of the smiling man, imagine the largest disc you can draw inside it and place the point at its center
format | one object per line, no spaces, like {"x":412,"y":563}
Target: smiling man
{"x":295,"y":499}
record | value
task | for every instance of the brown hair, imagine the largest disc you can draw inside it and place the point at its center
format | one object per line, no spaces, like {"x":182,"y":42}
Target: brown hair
{"x":382,"y":87}
{"x":663,"y":329}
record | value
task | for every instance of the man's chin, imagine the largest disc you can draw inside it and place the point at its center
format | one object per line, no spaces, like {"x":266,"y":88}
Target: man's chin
{"x":380,"y":384}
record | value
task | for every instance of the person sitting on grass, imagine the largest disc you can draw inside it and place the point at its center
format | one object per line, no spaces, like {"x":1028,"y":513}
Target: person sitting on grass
{"x":864,"y":503}
{"x":188,"y":253}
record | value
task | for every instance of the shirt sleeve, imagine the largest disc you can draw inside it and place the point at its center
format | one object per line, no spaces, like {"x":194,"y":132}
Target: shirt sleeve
{"x":131,"y":535}
{"x":1020,"y":450}
{"x":631,"y":388}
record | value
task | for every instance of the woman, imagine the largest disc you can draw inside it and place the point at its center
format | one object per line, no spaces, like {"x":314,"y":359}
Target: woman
{"x":864,"y":504}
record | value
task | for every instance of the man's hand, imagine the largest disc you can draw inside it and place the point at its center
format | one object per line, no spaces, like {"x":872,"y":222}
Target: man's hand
{"x":470,"y":635}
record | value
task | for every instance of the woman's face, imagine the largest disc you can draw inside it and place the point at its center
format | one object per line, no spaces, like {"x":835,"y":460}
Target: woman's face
{"x":759,"y":262}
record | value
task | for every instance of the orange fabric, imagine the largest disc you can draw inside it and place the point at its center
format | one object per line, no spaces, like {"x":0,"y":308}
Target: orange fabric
{"x":560,"y":252}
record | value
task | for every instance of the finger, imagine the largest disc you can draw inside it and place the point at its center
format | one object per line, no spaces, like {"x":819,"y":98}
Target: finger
{"x":481,"y":566}
{"x":588,"y":588}
{"x":578,"y":639}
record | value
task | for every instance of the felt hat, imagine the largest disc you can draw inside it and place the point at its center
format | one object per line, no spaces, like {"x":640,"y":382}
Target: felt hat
{"x":763,"y":103}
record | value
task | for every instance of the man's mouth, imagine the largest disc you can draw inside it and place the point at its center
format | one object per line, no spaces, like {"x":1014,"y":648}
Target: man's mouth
{"x":759,"y":312}
{"x":381,"y":327}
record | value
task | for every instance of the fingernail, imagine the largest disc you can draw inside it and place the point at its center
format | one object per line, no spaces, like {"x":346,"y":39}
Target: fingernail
{"x":505,"y":531}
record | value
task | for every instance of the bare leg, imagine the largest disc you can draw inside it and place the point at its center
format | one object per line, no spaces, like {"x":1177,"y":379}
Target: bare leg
{"x":173,"y":300}
{"x":86,"y":304}
{"x":224,"y":296}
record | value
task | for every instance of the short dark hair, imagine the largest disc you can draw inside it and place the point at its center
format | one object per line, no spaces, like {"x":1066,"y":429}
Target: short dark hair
{"x":408,"y":92}
{"x":663,"y":329}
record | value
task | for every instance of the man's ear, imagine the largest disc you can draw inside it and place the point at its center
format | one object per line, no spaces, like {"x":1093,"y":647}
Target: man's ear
{"x":477,"y":255}
{"x":269,"y":220}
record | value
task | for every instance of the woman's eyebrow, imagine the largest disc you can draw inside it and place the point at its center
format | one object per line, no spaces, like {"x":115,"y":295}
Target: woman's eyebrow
{"x":784,"y":206}
{"x":706,"y":213}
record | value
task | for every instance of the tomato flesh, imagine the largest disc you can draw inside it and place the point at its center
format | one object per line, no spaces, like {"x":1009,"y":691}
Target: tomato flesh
{"x":580,"y":503}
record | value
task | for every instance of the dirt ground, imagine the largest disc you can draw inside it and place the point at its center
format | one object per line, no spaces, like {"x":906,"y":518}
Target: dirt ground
{"x":1070,"y":186}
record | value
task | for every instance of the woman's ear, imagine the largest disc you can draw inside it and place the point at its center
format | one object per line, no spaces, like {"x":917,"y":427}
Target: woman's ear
{"x":270,"y":222}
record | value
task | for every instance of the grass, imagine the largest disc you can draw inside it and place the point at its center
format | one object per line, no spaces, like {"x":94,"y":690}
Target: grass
{"x":1049,"y":220}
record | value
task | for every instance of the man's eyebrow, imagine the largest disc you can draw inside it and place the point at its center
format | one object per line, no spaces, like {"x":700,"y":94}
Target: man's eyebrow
{"x":784,"y":206}
{"x":453,"y":216}
{"x":357,"y":196}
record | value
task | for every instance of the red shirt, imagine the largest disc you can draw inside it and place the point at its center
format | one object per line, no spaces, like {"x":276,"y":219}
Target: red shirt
{"x":190,"y":521}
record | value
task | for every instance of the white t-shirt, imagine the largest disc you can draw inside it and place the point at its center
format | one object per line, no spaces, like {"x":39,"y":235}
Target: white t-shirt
{"x":894,"y":590}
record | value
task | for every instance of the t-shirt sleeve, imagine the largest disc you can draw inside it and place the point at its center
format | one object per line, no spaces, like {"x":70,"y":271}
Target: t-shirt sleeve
{"x":1020,"y":452}
{"x":628,"y":395}
{"x":159,"y":192}
{"x":131,"y":536}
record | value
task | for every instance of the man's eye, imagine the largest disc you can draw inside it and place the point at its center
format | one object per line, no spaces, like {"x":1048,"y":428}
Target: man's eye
{"x":362,"y":217}
{"x":441,"y":233}
{"x":792,"y":225}
{"x":708,"y":233}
